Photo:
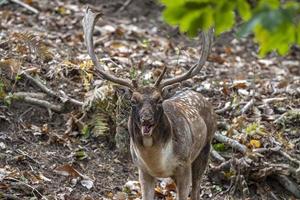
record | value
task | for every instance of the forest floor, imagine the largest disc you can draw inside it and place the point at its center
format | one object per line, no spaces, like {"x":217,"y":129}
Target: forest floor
{"x":47,"y":152}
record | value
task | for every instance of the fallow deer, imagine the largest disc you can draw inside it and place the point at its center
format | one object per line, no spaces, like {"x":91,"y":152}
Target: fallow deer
{"x":168,"y":137}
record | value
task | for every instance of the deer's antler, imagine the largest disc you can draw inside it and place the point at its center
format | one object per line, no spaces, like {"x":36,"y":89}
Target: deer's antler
{"x":88,"y":24}
{"x":207,"y":38}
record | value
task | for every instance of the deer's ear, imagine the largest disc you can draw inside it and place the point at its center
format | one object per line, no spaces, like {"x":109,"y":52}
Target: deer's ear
{"x":124,"y":91}
{"x":169,"y":91}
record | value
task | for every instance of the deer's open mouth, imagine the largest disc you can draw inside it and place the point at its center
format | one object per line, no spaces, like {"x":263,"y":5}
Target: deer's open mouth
{"x":147,"y":129}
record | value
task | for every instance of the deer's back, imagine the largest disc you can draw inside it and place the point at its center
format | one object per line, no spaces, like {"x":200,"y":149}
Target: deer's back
{"x":193,"y":122}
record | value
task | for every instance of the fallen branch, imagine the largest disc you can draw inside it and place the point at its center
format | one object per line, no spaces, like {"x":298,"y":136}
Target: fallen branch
{"x":61,"y":95}
{"x":38,"y":95}
{"x":216,"y":156}
{"x":40,"y":85}
{"x":246,"y":107}
{"x":289,"y":185}
{"x":28,"y":7}
{"x":43,"y":103}
{"x":231,"y":142}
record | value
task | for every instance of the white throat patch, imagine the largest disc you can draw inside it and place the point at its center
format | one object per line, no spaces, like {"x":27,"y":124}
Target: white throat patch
{"x":147,"y":141}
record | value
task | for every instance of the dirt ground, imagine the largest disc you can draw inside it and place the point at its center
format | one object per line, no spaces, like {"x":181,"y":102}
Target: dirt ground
{"x":39,"y":160}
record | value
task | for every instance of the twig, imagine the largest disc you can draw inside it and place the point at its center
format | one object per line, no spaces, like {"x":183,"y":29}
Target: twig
{"x":28,"y":7}
{"x":124,"y":5}
{"x":289,"y":185}
{"x":29,"y":186}
{"x":246,"y":107}
{"x":294,"y":160}
{"x":287,"y":156}
{"x":26,"y":154}
{"x":224,"y":109}
{"x":40,"y":85}
{"x":231,"y":142}
{"x":266,"y":150}
{"x":271,"y":100}
{"x":71,"y":100}
{"x":215,"y":155}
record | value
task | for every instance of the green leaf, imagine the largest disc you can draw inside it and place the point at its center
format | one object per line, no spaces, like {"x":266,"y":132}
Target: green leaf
{"x":85,"y":131}
{"x":219,"y":147}
{"x":298,"y":34}
{"x":173,"y":14}
{"x":273,"y":4}
{"x":81,"y":154}
{"x":198,"y":21}
{"x":243,"y":8}
{"x":224,"y":21}
{"x":274,"y":23}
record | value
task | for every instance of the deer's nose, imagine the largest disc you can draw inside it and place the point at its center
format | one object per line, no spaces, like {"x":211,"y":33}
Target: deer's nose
{"x":146,"y":118}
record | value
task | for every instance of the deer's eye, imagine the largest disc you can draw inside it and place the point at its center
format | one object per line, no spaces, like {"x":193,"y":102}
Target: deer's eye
{"x":134,"y":102}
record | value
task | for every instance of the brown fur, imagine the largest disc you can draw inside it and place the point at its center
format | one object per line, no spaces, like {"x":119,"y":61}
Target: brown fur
{"x":180,"y":141}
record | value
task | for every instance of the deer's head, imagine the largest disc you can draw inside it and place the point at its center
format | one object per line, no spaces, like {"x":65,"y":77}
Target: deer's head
{"x":146,"y":102}
{"x":146,"y":105}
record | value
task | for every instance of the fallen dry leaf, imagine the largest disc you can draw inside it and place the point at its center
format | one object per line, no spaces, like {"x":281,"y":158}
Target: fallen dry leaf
{"x":67,"y":170}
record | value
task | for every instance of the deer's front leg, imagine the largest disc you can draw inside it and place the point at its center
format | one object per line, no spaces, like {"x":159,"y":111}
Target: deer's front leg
{"x":147,"y":185}
{"x":183,"y":181}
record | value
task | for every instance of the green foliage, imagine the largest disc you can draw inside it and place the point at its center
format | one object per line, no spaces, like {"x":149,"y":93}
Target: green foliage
{"x":85,"y":131}
{"x":276,"y":26}
{"x":219,"y":147}
{"x":254,"y":128}
{"x":2,"y":90}
{"x":133,"y":73}
{"x":100,"y":124}
{"x":291,"y":119}
{"x":80,"y":154}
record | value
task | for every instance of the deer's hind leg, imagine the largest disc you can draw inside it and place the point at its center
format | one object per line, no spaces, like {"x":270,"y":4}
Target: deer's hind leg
{"x":198,"y":168}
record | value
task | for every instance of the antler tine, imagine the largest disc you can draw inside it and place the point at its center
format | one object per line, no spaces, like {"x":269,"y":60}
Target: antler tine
{"x":88,"y":24}
{"x":160,"y":77}
{"x":207,"y":38}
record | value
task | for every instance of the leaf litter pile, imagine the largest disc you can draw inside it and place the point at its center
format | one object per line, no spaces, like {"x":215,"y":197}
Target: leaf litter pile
{"x":63,"y":130}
